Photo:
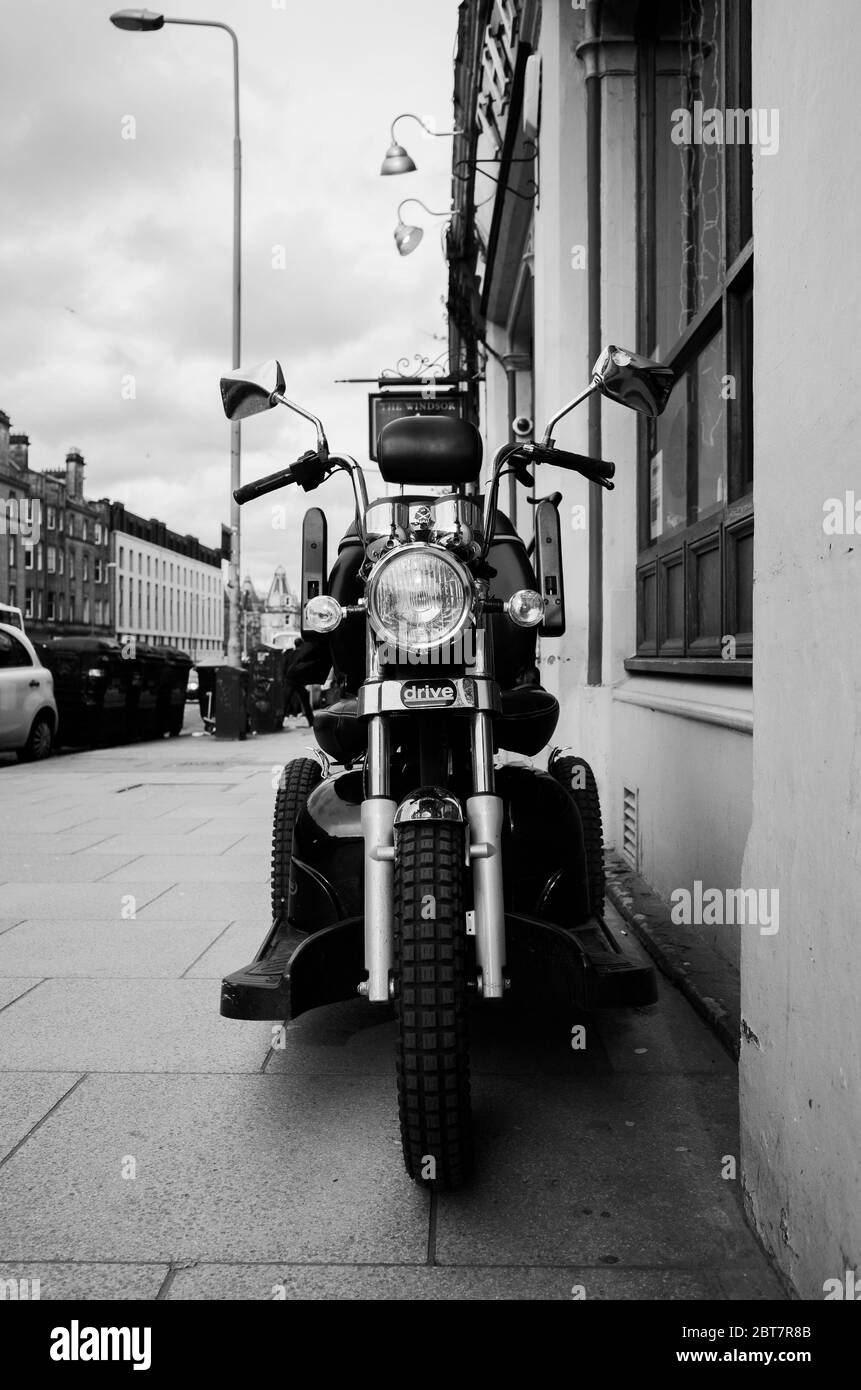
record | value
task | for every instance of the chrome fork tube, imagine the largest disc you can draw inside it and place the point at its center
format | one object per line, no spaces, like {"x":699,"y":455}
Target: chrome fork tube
{"x":484,"y":816}
{"x":378,"y":815}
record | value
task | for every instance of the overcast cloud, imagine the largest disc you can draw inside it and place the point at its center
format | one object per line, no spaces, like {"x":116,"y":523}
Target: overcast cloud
{"x":115,"y":253}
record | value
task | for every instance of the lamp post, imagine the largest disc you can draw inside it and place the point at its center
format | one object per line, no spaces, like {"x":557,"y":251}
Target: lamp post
{"x":146,"y":21}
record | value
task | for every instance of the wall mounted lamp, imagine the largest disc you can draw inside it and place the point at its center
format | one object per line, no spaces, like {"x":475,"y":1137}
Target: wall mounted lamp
{"x":397,"y":161}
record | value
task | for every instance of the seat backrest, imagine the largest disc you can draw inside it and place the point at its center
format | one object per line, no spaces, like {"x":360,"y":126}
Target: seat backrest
{"x":433,"y":449}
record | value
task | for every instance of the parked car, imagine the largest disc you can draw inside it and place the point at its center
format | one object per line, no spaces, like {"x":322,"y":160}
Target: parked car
{"x":11,"y":615}
{"x":28,"y":710}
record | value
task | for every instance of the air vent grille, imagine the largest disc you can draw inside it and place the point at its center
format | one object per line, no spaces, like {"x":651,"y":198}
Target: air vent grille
{"x":630,"y":827}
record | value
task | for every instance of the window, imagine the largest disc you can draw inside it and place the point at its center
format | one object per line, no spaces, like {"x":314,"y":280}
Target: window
{"x":61,"y":608}
{"x":98,"y":533}
{"x":695,"y":561}
{"x":86,"y":567}
{"x":12,"y":652}
{"x":71,"y":563}
{"x":98,"y":612}
{"x":122,"y":555}
{"x":39,"y":556}
{"x":12,"y":554}
{"x":84,"y":530}
{"x":52,"y":559}
{"x":13,"y":596}
{"x":28,"y":603}
{"x":71,"y":608}
{"x":39,"y":603}
{"x":52,"y":518}
{"x":86,"y":610}
{"x":51,"y":611}
{"x":61,"y":522}
{"x":28,"y":557}
{"x":97,"y":570}
{"x":62,"y":562}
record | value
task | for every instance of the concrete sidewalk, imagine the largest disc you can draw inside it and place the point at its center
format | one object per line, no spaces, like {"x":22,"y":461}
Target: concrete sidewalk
{"x":150,"y":1148}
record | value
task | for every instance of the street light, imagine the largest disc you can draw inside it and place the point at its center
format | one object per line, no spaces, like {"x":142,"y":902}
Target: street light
{"x":397,"y":161}
{"x":146,"y":21}
{"x":407,"y":238}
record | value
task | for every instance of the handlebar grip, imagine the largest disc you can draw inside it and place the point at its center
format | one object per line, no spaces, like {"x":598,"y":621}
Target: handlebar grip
{"x":582,"y":463}
{"x":249,"y":491}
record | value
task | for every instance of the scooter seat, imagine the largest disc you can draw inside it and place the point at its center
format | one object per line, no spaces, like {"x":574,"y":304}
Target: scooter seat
{"x":339,"y":731}
{"x":528,"y":719}
{"x":526,"y":723}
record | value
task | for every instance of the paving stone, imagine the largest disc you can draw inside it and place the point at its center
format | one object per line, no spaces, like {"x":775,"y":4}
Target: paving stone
{"x":61,"y":1280}
{"x":420,"y":1283}
{"x":198,"y":868}
{"x":25,"y":1099}
{"x":263,"y":1168}
{"x":80,"y":901}
{"x":116,"y":949}
{"x":128,"y":1026}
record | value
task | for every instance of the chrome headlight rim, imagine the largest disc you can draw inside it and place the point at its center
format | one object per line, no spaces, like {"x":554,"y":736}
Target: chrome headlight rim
{"x":382,"y":632}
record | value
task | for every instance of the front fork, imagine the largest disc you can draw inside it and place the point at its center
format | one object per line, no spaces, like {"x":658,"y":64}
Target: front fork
{"x":484,"y":826}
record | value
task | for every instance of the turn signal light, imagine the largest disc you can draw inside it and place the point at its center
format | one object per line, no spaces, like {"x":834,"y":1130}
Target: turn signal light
{"x":323,"y":614}
{"x":525,"y":608}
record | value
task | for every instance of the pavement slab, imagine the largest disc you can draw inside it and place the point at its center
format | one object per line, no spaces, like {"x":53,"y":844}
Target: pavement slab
{"x":27,"y":1099}
{"x":560,"y":1283}
{"x":268,"y":1168}
{"x":145,"y":947}
{"x":131,"y":1025}
{"x":61,"y":1280}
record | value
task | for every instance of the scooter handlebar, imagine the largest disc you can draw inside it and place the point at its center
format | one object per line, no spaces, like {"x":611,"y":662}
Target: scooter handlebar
{"x":270,"y":483}
{"x":596,"y":470}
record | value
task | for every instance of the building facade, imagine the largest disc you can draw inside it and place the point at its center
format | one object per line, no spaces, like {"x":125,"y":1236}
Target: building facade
{"x":77,"y":567}
{"x":54,"y":545}
{"x":168,"y":588}
{"x":640,"y":159}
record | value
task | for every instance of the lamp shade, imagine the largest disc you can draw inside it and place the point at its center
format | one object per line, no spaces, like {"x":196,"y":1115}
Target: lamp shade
{"x":138,"y":20}
{"x":397,"y":161}
{"x":407,"y":238}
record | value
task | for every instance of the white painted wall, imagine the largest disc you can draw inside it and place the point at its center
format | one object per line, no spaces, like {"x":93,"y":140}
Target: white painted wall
{"x":801,"y":989}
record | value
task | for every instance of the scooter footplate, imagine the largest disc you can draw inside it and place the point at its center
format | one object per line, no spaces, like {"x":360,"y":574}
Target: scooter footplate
{"x":596,"y":972}
{"x":292,"y":973}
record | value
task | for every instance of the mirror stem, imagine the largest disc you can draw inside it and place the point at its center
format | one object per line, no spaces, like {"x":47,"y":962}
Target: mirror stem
{"x":578,"y":400}
{"x":322,"y":443}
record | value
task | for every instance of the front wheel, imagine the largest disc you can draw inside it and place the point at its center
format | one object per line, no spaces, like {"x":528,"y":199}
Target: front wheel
{"x":431,"y":997}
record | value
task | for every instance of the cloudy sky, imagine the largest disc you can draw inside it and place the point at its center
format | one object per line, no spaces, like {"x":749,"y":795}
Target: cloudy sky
{"x":115,"y":253}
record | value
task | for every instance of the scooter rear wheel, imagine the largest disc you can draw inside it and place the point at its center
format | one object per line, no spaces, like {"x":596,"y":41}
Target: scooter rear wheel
{"x":431,"y":1000}
{"x":296,"y":783}
{"x":577,"y":777}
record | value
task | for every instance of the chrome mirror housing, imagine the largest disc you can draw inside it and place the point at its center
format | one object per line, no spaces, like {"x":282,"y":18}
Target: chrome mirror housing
{"x":634,"y":381}
{"x":251,"y":390}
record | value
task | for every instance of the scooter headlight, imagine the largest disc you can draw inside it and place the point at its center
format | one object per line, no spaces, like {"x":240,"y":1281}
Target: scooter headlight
{"x":419,"y":598}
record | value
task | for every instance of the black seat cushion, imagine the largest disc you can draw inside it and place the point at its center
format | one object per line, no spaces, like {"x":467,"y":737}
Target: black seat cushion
{"x":435,"y":449}
{"x":528,"y":719}
{"x":341,"y":734}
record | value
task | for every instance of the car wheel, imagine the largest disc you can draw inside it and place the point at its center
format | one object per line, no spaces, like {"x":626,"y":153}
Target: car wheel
{"x":40,"y":742}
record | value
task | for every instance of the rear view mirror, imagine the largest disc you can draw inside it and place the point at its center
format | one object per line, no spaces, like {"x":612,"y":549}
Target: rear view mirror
{"x":252,"y":390}
{"x":634,"y":381}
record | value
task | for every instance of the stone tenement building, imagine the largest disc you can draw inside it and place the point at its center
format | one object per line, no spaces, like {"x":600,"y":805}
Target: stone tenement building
{"x":77,"y":567}
{"x":61,"y":580}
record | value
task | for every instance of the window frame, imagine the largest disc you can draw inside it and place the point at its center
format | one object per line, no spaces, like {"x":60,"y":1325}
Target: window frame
{"x":726,"y":310}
